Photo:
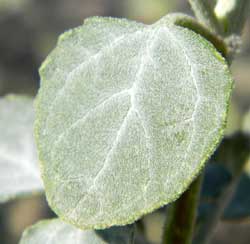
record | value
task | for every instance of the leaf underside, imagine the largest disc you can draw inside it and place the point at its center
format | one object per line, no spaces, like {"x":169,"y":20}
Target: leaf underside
{"x":19,"y":172}
{"x":126,"y":116}
{"x":56,"y":231}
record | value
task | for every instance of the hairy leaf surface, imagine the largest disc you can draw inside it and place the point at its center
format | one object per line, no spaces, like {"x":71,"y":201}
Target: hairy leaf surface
{"x":57,"y":232}
{"x":19,"y":173}
{"x":126,"y":117}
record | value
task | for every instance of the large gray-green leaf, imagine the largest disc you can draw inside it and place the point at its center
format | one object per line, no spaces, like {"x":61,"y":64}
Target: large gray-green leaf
{"x":57,"y":232}
{"x":126,"y":117}
{"x":19,"y":173}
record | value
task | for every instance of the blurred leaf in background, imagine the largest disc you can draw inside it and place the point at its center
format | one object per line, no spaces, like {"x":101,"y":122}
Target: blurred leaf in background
{"x":13,"y":5}
{"x":148,"y":11}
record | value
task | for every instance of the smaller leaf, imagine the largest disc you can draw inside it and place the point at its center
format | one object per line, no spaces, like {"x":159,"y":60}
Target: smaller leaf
{"x":57,"y":232}
{"x":216,"y":179}
{"x":136,"y":134}
{"x":239,"y":208}
{"x":233,"y":153}
{"x":19,"y":172}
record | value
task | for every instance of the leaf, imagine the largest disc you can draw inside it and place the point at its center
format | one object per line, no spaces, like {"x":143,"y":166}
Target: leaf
{"x":239,"y":208}
{"x":117,"y":234}
{"x":216,"y":179}
{"x":19,"y":173}
{"x":57,"y":232}
{"x":126,"y":116}
{"x":233,"y":153}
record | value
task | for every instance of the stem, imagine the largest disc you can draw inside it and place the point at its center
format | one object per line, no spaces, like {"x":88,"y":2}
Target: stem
{"x":232,"y":15}
{"x":233,"y":152}
{"x":181,"y":216}
{"x":205,"y":14}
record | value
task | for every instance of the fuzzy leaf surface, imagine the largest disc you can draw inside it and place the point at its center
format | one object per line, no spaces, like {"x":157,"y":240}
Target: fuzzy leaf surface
{"x":126,"y":116}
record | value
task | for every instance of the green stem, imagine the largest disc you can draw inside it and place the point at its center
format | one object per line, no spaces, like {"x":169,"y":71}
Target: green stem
{"x":232,"y":15}
{"x":204,"y":12}
{"x":209,"y":226}
{"x":181,"y":216}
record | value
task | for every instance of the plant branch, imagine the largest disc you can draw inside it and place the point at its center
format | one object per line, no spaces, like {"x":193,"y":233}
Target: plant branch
{"x":205,"y":14}
{"x":181,"y":216}
{"x":232,"y":15}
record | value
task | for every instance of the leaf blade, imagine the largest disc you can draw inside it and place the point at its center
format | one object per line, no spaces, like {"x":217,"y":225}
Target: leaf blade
{"x":138,"y":116}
